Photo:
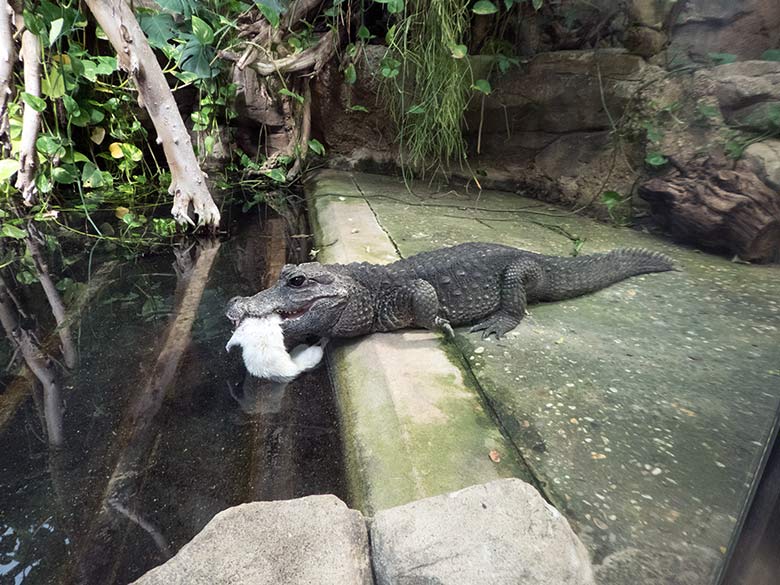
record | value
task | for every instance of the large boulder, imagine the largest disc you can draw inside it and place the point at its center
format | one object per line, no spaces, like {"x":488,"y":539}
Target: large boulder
{"x":763,"y":158}
{"x":501,"y":533}
{"x":745,"y":28}
{"x":316,"y":539}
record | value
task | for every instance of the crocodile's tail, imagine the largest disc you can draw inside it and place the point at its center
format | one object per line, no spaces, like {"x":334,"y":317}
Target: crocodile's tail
{"x":571,"y":277}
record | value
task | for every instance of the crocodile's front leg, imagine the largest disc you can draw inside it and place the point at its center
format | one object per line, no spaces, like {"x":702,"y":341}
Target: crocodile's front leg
{"x":414,"y":303}
{"x":518,"y":278}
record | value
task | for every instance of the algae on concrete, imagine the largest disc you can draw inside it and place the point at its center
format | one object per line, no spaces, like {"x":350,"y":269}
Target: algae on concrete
{"x":413,"y":422}
{"x":643,"y":409}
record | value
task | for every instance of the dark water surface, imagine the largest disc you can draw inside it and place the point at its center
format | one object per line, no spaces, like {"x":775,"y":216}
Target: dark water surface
{"x":146,"y":463}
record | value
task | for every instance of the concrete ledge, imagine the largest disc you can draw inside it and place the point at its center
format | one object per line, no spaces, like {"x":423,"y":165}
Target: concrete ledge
{"x":413,"y":421}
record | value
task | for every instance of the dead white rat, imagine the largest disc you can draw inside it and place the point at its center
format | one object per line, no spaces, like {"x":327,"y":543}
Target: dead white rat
{"x":262,"y":343}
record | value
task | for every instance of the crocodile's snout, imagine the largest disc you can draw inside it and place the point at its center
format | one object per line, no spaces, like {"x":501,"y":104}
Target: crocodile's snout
{"x":235,"y":310}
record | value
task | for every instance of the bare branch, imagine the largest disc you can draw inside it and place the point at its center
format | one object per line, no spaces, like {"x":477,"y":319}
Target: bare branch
{"x":188,"y":185}
{"x":31,"y":122}
{"x":7,"y":58}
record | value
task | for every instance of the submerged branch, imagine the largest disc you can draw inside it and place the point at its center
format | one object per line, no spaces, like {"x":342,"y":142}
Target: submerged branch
{"x":138,"y":431}
{"x":39,"y":364}
{"x":69,"y":355}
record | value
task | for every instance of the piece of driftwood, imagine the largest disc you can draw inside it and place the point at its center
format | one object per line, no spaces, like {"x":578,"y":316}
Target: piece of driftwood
{"x":717,"y":207}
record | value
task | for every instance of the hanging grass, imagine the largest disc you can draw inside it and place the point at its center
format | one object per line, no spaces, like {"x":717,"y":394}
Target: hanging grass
{"x":429,"y":82}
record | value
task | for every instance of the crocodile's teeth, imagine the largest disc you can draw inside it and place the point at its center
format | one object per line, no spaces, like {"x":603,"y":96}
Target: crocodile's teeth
{"x":294,"y":314}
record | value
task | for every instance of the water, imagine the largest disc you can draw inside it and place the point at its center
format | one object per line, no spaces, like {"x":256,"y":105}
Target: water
{"x":161,"y":432}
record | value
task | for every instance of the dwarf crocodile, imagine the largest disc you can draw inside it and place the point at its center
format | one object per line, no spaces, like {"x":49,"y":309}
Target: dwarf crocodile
{"x":488,"y":285}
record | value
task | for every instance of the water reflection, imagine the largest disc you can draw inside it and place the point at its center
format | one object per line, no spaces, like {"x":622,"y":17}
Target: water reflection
{"x":158,"y":428}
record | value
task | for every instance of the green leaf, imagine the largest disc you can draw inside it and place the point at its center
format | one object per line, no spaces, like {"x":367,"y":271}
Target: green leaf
{"x":537,"y":4}
{"x":358,"y":108}
{"x":484,"y":7}
{"x":71,"y":106}
{"x":656,"y":159}
{"x":482,"y":85}
{"x":202,"y":31}
{"x":296,"y":96}
{"x":49,"y":145}
{"x":416,"y":109}
{"x":11,"y":231}
{"x":197,"y":58}
{"x":55,"y":30}
{"x":316,"y":146}
{"x":276,"y":175}
{"x":63,"y":175}
{"x":364,"y":34}
{"x":36,"y":103}
{"x":390,"y":35}
{"x":458,"y":51}
{"x":722,"y":58}
{"x":271,"y":9}
{"x":350,"y":76}
{"x":185,"y":7}
{"x":158,"y":28}
{"x":53,"y":84}
{"x":771,"y":55}
{"x":611,"y":199}
{"x":8,"y":167}
{"x":395,"y":6}
{"x":91,"y":176}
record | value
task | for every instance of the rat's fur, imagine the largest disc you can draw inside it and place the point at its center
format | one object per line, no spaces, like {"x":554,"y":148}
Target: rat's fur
{"x":265,"y":356}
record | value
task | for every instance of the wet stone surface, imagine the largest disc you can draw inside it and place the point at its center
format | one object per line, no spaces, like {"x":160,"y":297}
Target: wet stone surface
{"x":642,"y":409}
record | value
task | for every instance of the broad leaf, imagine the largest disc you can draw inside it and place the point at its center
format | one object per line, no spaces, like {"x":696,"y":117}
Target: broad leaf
{"x":292,"y":94}
{"x":350,"y":75}
{"x":484,"y":7}
{"x":159,"y":28}
{"x":395,"y":6}
{"x":55,"y":30}
{"x":36,"y":103}
{"x":316,"y":146}
{"x":11,"y":231}
{"x":197,"y":58}
{"x":202,"y":31}
{"x":771,"y":55}
{"x":655,"y":159}
{"x":8,"y":167}
{"x":482,"y":85}
{"x":276,"y":175}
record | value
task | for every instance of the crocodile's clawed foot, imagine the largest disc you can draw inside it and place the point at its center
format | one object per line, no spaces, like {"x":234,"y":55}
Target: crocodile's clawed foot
{"x":444,"y":326}
{"x":498,"y":325}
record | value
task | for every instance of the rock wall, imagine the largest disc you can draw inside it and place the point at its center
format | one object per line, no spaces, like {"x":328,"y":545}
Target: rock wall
{"x":571,"y":125}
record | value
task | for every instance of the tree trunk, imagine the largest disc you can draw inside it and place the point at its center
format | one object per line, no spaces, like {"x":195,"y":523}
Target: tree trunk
{"x":188,"y":185}
{"x":7,"y":59}
{"x":31,"y":122}
{"x":718,"y":208}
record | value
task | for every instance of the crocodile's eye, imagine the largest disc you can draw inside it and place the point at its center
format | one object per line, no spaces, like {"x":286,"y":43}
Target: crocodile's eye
{"x":296,"y":280}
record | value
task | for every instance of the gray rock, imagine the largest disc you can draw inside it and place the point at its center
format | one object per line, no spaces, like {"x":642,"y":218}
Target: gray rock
{"x":312,"y":540}
{"x":745,"y":28}
{"x":741,"y":84}
{"x":501,"y":532}
{"x":763,"y":158}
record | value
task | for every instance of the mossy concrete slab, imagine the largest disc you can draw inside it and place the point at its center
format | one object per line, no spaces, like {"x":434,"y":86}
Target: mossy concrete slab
{"x":643,"y":410}
{"x":413,"y":421}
